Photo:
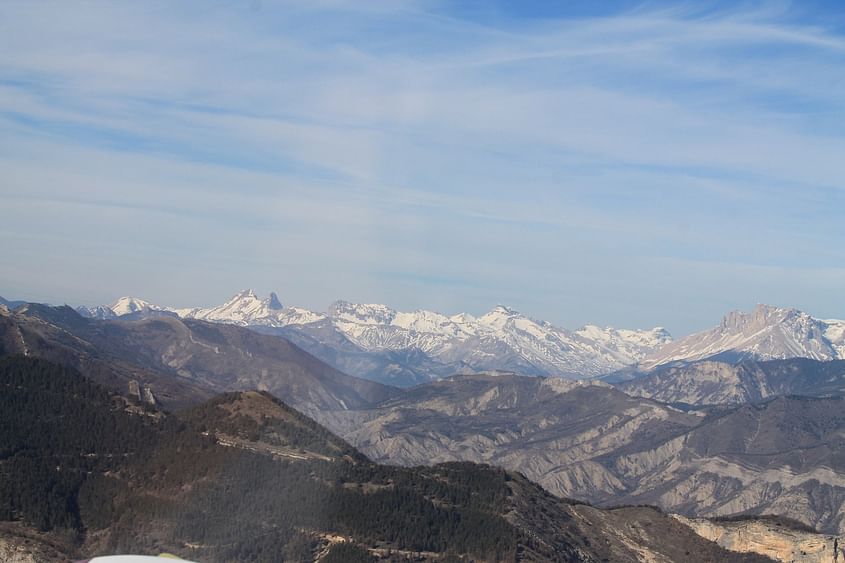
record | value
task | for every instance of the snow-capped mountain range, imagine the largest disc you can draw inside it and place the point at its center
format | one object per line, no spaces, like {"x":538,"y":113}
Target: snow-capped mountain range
{"x":500,"y":339}
{"x":405,"y":348}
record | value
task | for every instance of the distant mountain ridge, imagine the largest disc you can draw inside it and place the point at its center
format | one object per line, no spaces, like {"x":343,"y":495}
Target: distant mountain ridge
{"x":377,"y":342}
{"x":766,"y":333}
{"x":405,"y":348}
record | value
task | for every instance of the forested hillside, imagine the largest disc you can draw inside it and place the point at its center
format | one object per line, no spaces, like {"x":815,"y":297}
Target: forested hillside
{"x":105,"y":475}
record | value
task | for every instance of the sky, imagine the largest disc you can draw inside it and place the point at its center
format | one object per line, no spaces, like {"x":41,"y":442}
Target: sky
{"x":618,"y":163}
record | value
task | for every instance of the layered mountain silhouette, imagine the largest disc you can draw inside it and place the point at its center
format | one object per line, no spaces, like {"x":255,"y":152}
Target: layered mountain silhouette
{"x":725,"y":439}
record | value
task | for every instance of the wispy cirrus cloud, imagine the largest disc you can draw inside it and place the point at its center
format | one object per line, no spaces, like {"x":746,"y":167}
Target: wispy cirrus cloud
{"x":560,"y":164}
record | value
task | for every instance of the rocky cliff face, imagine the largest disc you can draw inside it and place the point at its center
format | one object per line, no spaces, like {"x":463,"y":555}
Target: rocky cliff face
{"x":770,"y":538}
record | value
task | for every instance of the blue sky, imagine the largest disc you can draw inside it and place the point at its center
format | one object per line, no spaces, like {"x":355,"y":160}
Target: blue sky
{"x":622,"y":163}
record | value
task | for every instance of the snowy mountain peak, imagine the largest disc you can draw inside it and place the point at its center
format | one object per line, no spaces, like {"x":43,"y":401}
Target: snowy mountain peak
{"x":100,"y":312}
{"x":242,"y":296}
{"x":423,"y":321}
{"x":243,"y":303}
{"x":462,"y":318}
{"x":765,"y":333}
{"x":247,"y":308}
{"x":499,"y":316}
{"x":130,"y":305}
{"x":362,"y":313}
{"x":761,"y":316}
{"x":503,"y":310}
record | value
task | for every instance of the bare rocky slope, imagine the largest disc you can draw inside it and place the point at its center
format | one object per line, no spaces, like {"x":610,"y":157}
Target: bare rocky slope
{"x":713,"y":382}
{"x":593,"y":442}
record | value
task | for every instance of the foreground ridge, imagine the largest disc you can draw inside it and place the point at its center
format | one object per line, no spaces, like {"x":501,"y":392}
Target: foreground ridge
{"x":152,"y":482}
